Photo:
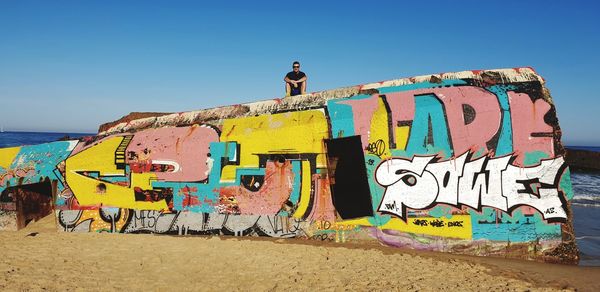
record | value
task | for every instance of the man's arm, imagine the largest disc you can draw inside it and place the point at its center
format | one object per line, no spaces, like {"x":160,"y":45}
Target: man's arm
{"x":286,"y":79}
{"x":303,"y":78}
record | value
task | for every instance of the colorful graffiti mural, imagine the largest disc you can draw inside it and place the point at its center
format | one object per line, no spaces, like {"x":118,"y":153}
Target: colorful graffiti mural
{"x":467,"y":162}
{"x":28,"y":176}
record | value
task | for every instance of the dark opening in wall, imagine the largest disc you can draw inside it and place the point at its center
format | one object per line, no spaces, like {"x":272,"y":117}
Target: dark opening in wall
{"x":31,"y":201}
{"x":349,"y":183}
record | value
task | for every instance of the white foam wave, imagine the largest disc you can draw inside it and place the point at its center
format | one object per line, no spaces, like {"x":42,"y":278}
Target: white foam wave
{"x":585,"y":205}
{"x":588,"y":237}
{"x":595,"y":198}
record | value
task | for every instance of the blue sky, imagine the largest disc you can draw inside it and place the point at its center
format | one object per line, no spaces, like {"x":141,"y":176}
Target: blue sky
{"x":72,"y":65}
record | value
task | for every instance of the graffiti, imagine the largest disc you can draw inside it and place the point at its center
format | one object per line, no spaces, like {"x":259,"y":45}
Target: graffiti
{"x":454,"y":119}
{"x":269,"y":198}
{"x":181,"y":223}
{"x":99,"y":220}
{"x":85,"y":171}
{"x":18,"y":173}
{"x":34,"y":163}
{"x":492,"y":182}
{"x":437,"y":223}
{"x":26,"y":177}
{"x":452,"y":162}
{"x":376,"y":148}
{"x":332,"y":231}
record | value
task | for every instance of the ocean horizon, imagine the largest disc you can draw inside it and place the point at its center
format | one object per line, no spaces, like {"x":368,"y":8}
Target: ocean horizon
{"x":18,"y":138}
{"x":585,"y":203}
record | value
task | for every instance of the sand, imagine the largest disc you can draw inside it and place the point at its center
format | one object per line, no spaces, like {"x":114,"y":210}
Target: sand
{"x":53,"y":260}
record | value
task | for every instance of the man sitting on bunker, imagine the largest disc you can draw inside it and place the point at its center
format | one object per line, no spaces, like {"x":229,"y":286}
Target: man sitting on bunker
{"x":295,"y":81}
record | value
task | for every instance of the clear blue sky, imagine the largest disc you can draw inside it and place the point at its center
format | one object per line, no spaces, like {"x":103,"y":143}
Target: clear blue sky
{"x":72,"y":65}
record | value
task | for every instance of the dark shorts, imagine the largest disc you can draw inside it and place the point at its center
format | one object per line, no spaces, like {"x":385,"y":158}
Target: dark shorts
{"x":295,"y":91}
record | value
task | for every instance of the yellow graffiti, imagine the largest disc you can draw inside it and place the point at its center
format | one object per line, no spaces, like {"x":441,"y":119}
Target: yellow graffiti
{"x":7,"y":155}
{"x":402,"y":134}
{"x":100,"y":159}
{"x":458,"y":226}
{"x":304,"y":191}
{"x":380,"y":128}
{"x":99,"y":225}
{"x":337,"y":226}
{"x":299,"y":132}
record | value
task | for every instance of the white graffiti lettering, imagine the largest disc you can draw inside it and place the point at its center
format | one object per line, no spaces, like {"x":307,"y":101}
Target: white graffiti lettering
{"x":491,"y":182}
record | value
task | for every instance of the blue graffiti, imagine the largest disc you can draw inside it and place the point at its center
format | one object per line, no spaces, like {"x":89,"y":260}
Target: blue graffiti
{"x":43,"y":159}
{"x":429,"y":111}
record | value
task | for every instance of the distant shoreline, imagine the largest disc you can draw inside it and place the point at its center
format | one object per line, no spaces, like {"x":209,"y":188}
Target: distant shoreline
{"x":583,"y":158}
{"x":44,"y":132}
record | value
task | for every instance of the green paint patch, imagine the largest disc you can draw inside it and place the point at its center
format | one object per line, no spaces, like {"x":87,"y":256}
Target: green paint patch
{"x":372,"y":161}
{"x":441,"y":211}
{"x":565,"y":184}
{"x":420,"y":239}
{"x":534,"y":158}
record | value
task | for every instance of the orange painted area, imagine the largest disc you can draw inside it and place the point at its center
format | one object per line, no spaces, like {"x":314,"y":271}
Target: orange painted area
{"x":269,"y":199}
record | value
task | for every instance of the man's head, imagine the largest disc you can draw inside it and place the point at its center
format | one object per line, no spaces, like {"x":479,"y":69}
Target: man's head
{"x":296,"y":66}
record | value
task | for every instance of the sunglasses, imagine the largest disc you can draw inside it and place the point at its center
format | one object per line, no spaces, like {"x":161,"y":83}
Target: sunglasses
{"x":296,"y":66}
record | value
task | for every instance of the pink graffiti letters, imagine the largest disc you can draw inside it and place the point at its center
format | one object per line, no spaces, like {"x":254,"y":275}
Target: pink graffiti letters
{"x":422,"y":183}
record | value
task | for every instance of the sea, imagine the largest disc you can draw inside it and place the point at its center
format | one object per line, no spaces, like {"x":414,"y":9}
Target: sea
{"x":585,"y":204}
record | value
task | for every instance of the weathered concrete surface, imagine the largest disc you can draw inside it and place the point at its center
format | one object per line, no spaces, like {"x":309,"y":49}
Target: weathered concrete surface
{"x":128,"y":118}
{"x":468,"y":162}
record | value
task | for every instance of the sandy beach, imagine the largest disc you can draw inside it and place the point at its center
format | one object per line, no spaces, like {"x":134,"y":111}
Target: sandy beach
{"x":40,"y":258}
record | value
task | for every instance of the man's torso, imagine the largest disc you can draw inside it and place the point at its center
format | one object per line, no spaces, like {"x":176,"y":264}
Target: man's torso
{"x":296,"y":76}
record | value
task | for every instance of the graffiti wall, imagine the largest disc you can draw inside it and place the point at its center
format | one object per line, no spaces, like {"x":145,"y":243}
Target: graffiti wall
{"x":28,"y":176}
{"x":468,"y":162}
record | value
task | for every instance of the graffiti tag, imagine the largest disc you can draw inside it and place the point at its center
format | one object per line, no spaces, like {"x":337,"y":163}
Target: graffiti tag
{"x":492,"y":182}
{"x":376,"y":148}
